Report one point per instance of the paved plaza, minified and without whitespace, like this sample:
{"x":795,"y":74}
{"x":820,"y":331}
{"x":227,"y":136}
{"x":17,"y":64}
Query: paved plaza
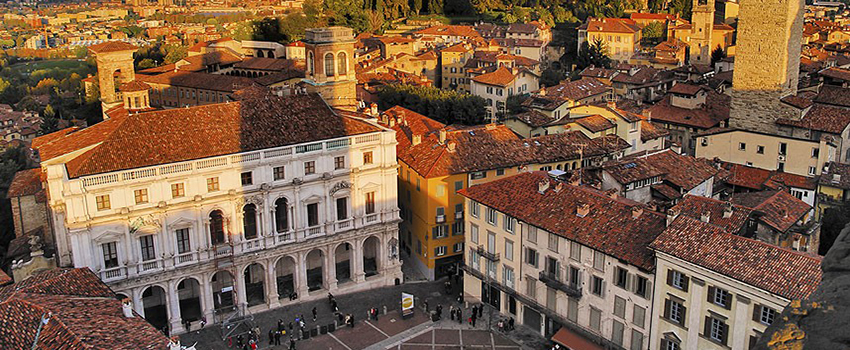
{"x":389,"y":331}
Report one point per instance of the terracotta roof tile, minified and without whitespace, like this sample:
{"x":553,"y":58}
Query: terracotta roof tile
{"x":649,"y":131}
{"x":578,"y":89}
{"x":695,"y":206}
{"x":595,"y":123}
{"x":685,"y":172}
{"x":836,"y":73}
{"x":199,"y":63}
{"x":686,"y":89}
{"x":838,"y":175}
{"x":25,"y":183}
{"x":500,"y":77}
{"x":711,"y":114}
{"x":833,"y":95}
{"x":450,"y":30}
{"x":271,"y":64}
{"x":84,"y":314}
{"x":780,"y":209}
{"x":112,"y":46}
{"x":610,"y":25}
{"x":181,"y":134}
{"x":134,"y":85}
{"x":822,"y":118}
{"x":792,"y":275}
{"x":532,"y":118}
{"x":224,"y":83}
{"x":609,"y":226}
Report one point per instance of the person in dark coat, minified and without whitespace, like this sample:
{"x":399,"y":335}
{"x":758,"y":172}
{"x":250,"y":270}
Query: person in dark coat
{"x":460,"y":316}
{"x":271,"y":336}
{"x":277,"y":336}
{"x":315,"y":313}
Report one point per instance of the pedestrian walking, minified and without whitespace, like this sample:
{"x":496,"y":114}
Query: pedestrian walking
{"x":460,"y":298}
{"x":439,"y":311}
{"x":474,"y":317}
{"x":452,"y":312}
{"x":277,"y":336}
{"x":480,"y":310}
{"x":460,"y":316}
{"x":271,"y":336}
{"x":511,"y":324}
{"x":474,"y":309}
{"x":240,"y":341}
{"x":448,"y":287}
{"x":291,"y":343}
{"x":279,"y":325}
{"x":315,"y":313}
{"x":334,"y":305}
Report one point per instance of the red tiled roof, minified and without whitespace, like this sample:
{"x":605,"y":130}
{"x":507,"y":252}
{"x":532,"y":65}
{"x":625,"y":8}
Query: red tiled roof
{"x":780,"y":209}
{"x":168,"y":136}
{"x":686,"y":89}
{"x":84,"y":314}
{"x":836,"y":73}
{"x":713,"y":112}
{"x":649,"y":131}
{"x":829,"y":178}
{"x":450,"y":30}
{"x":822,"y":118}
{"x":134,"y":85}
{"x":532,"y":118}
{"x":25,"y":183}
{"x":789,"y":274}
{"x":797,"y":101}
{"x":578,"y":89}
{"x":609,"y":226}
{"x":271,"y":64}
{"x":695,"y":206}
{"x":204,"y":81}
{"x":745,"y":176}
{"x":685,"y":172}
{"x":653,"y":16}
{"x":479,"y":148}
{"x":112,"y":46}
{"x":500,"y":77}
{"x":833,"y":95}
{"x":610,"y":25}
{"x":595,"y":123}
{"x":198,"y":63}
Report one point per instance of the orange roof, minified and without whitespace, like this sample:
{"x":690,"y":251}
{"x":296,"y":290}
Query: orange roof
{"x":134,"y":85}
{"x":450,"y":30}
{"x":167,"y":136}
{"x":112,"y":46}
{"x":460,"y":47}
{"x":500,"y":77}
{"x":574,"y":341}
{"x":611,"y":25}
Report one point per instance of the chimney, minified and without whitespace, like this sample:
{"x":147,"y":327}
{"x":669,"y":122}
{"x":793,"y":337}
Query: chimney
{"x":559,"y":187}
{"x":542,"y":91}
{"x":727,"y":210}
{"x":648,"y":115}
{"x":417,"y":139}
{"x":491,"y":126}
{"x":127,"y":308}
{"x":442,"y":136}
{"x":575,"y":179}
{"x":705,"y":217}
{"x":582,"y":209}
{"x":542,"y":186}
{"x":374,"y":109}
{"x":672,"y":214}
{"x":636,"y":211}
{"x":612,"y":193}
{"x":451,"y":146}
{"x":612,"y":104}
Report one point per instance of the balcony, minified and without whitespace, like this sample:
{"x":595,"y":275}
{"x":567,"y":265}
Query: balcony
{"x":370,"y":218}
{"x":313,"y":231}
{"x":283,"y":237}
{"x":344,"y":225}
{"x":488,"y":255}
{"x":113,"y":273}
{"x":552,"y":281}
{"x":251,"y":245}
{"x":148,"y":266}
{"x":458,"y":215}
{"x":184,"y":258}
{"x":440,"y":219}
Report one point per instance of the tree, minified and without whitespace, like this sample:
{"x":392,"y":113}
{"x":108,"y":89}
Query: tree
{"x":653,"y":30}
{"x":551,"y":77}
{"x":595,"y":54}
{"x":445,"y":106}
{"x":175,"y":53}
{"x":717,"y":55}
{"x":146,"y":63}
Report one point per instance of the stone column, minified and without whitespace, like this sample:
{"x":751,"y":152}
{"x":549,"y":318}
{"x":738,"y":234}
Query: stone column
{"x":239,"y":285}
{"x":738,"y":331}
{"x":174,"y":318}
{"x":207,"y":303}
{"x":358,"y":273}
{"x":697,"y":297}
{"x":301,"y":275}
{"x":138,"y":305}
{"x":330,"y":269}
{"x":271,"y":285}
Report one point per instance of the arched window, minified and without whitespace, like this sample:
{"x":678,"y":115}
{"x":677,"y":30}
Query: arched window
{"x":281,"y":215}
{"x":329,"y":64}
{"x":249,"y":221}
{"x":310,"y":62}
{"x":217,"y":227}
{"x":343,"y":64}
{"x":260,"y":53}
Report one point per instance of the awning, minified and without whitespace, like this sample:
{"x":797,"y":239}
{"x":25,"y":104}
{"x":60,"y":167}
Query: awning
{"x":573,"y":341}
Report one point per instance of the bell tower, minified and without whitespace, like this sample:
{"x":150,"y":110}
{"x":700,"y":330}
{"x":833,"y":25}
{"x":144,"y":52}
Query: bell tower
{"x":330,"y":65}
{"x":702,"y":24}
{"x":114,"y":68}
{"x":767,"y":63}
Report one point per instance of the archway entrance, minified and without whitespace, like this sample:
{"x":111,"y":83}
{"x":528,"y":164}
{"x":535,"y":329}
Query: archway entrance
{"x":342,"y":258}
{"x":370,"y":256}
{"x":315,"y":277}
{"x":189,"y":294}
{"x":254,"y":284}
{"x":223,"y":292}
{"x":155,"y":306}
{"x":284,"y":271}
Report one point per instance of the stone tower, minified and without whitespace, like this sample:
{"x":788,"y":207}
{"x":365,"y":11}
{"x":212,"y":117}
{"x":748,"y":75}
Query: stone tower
{"x":702,"y":24}
{"x":767,"y":63}
{"x":114,"y":68}
{"x":330,"y":65}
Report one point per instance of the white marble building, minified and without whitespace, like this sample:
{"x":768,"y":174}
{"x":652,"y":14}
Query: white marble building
{"x":252,"y":204}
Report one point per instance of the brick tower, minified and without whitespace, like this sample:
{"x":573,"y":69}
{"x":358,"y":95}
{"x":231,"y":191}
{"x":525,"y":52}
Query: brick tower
{"x":114,"y":68}
{"x":330,"y":67}
{"x":767,"y":63}
{"x":702,"y":24}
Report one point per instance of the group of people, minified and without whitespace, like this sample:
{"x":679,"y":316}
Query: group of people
{"x":278,"y":335}
{"x":247,"y":341}
{"x":506,"y":325}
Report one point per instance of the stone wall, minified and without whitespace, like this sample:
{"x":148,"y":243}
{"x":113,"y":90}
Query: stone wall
{"x":767,"y":62}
